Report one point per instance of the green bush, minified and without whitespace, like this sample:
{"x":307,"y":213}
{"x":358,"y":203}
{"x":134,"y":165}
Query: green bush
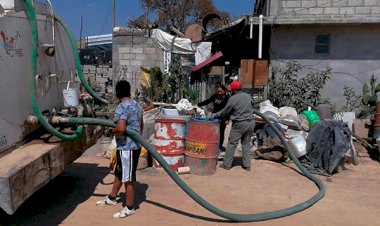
{"x":287,"y":88}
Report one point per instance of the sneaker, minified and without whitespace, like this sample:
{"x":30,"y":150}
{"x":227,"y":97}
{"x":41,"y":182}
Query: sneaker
{"x":106,"y":201}
{"x":246,"y":168}
{"x":220,"y":156}
{"x":221,"y":165}
{"x":125,"y":212}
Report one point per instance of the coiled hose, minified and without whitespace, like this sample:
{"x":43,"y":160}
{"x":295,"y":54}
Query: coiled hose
{"x":138,"y":138}
{"x":231,"y":216}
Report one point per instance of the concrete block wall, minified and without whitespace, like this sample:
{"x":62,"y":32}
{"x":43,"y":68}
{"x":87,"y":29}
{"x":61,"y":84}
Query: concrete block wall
{"x":99,"y":77}
{"x":352,"y":58}
{"x":312,"y":8}
{"x":133,"y":49}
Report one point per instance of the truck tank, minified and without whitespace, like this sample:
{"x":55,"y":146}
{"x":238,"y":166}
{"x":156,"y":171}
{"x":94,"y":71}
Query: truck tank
{"x":32,"y":165}
{"x":53,"y":72}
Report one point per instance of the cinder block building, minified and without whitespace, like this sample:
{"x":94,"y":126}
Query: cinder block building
{"x":341,"y":34}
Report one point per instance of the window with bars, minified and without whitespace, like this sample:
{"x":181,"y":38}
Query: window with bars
{"x":322,"y":45}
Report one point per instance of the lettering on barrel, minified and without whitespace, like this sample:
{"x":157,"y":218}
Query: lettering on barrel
{"x":195,"y":149}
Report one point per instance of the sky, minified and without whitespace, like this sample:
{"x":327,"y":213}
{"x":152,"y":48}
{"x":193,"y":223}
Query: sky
{"x":97,"y":14}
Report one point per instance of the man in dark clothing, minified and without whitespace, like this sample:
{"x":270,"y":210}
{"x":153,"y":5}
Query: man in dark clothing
{"x":240,"y":109}
{"x":219,"y":99}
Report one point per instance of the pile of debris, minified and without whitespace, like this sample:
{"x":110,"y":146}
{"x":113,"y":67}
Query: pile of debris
{"x":321,"y":145}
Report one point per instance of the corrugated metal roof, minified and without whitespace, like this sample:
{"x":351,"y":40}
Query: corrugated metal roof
{"x":99,"y":40}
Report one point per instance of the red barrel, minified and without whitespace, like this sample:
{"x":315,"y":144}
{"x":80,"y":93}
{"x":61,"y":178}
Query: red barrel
{"x":169,"y":141}
{"x":377,"y":115}
{"x":202,"y":143}
{"x":376,"y":132}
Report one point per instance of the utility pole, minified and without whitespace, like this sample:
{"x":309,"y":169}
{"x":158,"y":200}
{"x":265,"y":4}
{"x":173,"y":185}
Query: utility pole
{"x":113,"y":14}
{"x":80,"y":32}
{"x":113,"y":26}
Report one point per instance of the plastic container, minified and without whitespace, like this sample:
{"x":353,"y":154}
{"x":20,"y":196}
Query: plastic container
{"x":70,"y":96}
{"x":8,"y":4}
{"x":298,"y":146}
{"x":324,"y":111}
{"x":347,"y":117}
{"x":312,"y":117}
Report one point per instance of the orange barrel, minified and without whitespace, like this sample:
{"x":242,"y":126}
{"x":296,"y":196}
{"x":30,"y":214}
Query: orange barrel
{"x":377,"y":115}
{"x":376,"y":132}
{"x":169,"y":141}
{"x":202,"y":143}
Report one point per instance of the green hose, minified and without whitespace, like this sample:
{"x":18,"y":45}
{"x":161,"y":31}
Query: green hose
{"x":231,"y":216}
{"x":32,"y":87}
{"x":138,"y":138}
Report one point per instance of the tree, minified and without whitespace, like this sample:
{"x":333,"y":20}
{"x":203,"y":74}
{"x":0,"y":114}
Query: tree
{"x":176,"y":13}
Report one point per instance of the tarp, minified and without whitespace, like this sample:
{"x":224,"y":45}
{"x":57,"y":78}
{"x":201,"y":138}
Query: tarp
{"x":203,"y":52}
{"x":173,"y":44}
{"x":208,"y":61}
{"x":326,"y":145}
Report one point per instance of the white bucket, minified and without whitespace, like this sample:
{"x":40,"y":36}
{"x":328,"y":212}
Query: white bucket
{"x":70,"y":96}
{"x":346,"y":117}
{"x":7,"y":4}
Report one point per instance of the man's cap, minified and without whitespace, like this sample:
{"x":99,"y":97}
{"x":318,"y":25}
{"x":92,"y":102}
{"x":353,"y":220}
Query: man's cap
{"x":235,"y":85}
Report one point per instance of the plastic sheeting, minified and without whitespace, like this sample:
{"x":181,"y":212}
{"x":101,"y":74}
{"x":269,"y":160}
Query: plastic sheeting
{"x":185,"y":105}
{"x":327,"y":144}
{"x":173,"y":44}
{"x":203,"y":52}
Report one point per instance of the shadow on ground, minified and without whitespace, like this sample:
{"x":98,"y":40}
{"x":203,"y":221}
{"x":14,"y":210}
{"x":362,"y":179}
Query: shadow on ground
{"x":58,"y":199}
{"x":140,"y":195}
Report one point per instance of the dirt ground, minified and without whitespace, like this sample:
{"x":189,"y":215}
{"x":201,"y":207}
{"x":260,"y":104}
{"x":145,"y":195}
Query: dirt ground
{"x":352,"y":196}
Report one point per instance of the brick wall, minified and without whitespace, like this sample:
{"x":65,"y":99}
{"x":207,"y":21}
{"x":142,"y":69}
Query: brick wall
{"x":131,"y":50}
{"x":99,"y":77}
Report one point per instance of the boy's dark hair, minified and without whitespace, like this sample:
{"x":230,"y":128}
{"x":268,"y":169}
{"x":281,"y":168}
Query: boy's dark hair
{"x":123,"y":89}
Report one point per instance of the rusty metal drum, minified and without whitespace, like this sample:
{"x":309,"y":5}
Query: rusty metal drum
{"x":169,"y":141}
{"x":377,"y":115}
{"x":376,"y":129}
{"x":201,"y":146}
{"x":376,"y":132}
